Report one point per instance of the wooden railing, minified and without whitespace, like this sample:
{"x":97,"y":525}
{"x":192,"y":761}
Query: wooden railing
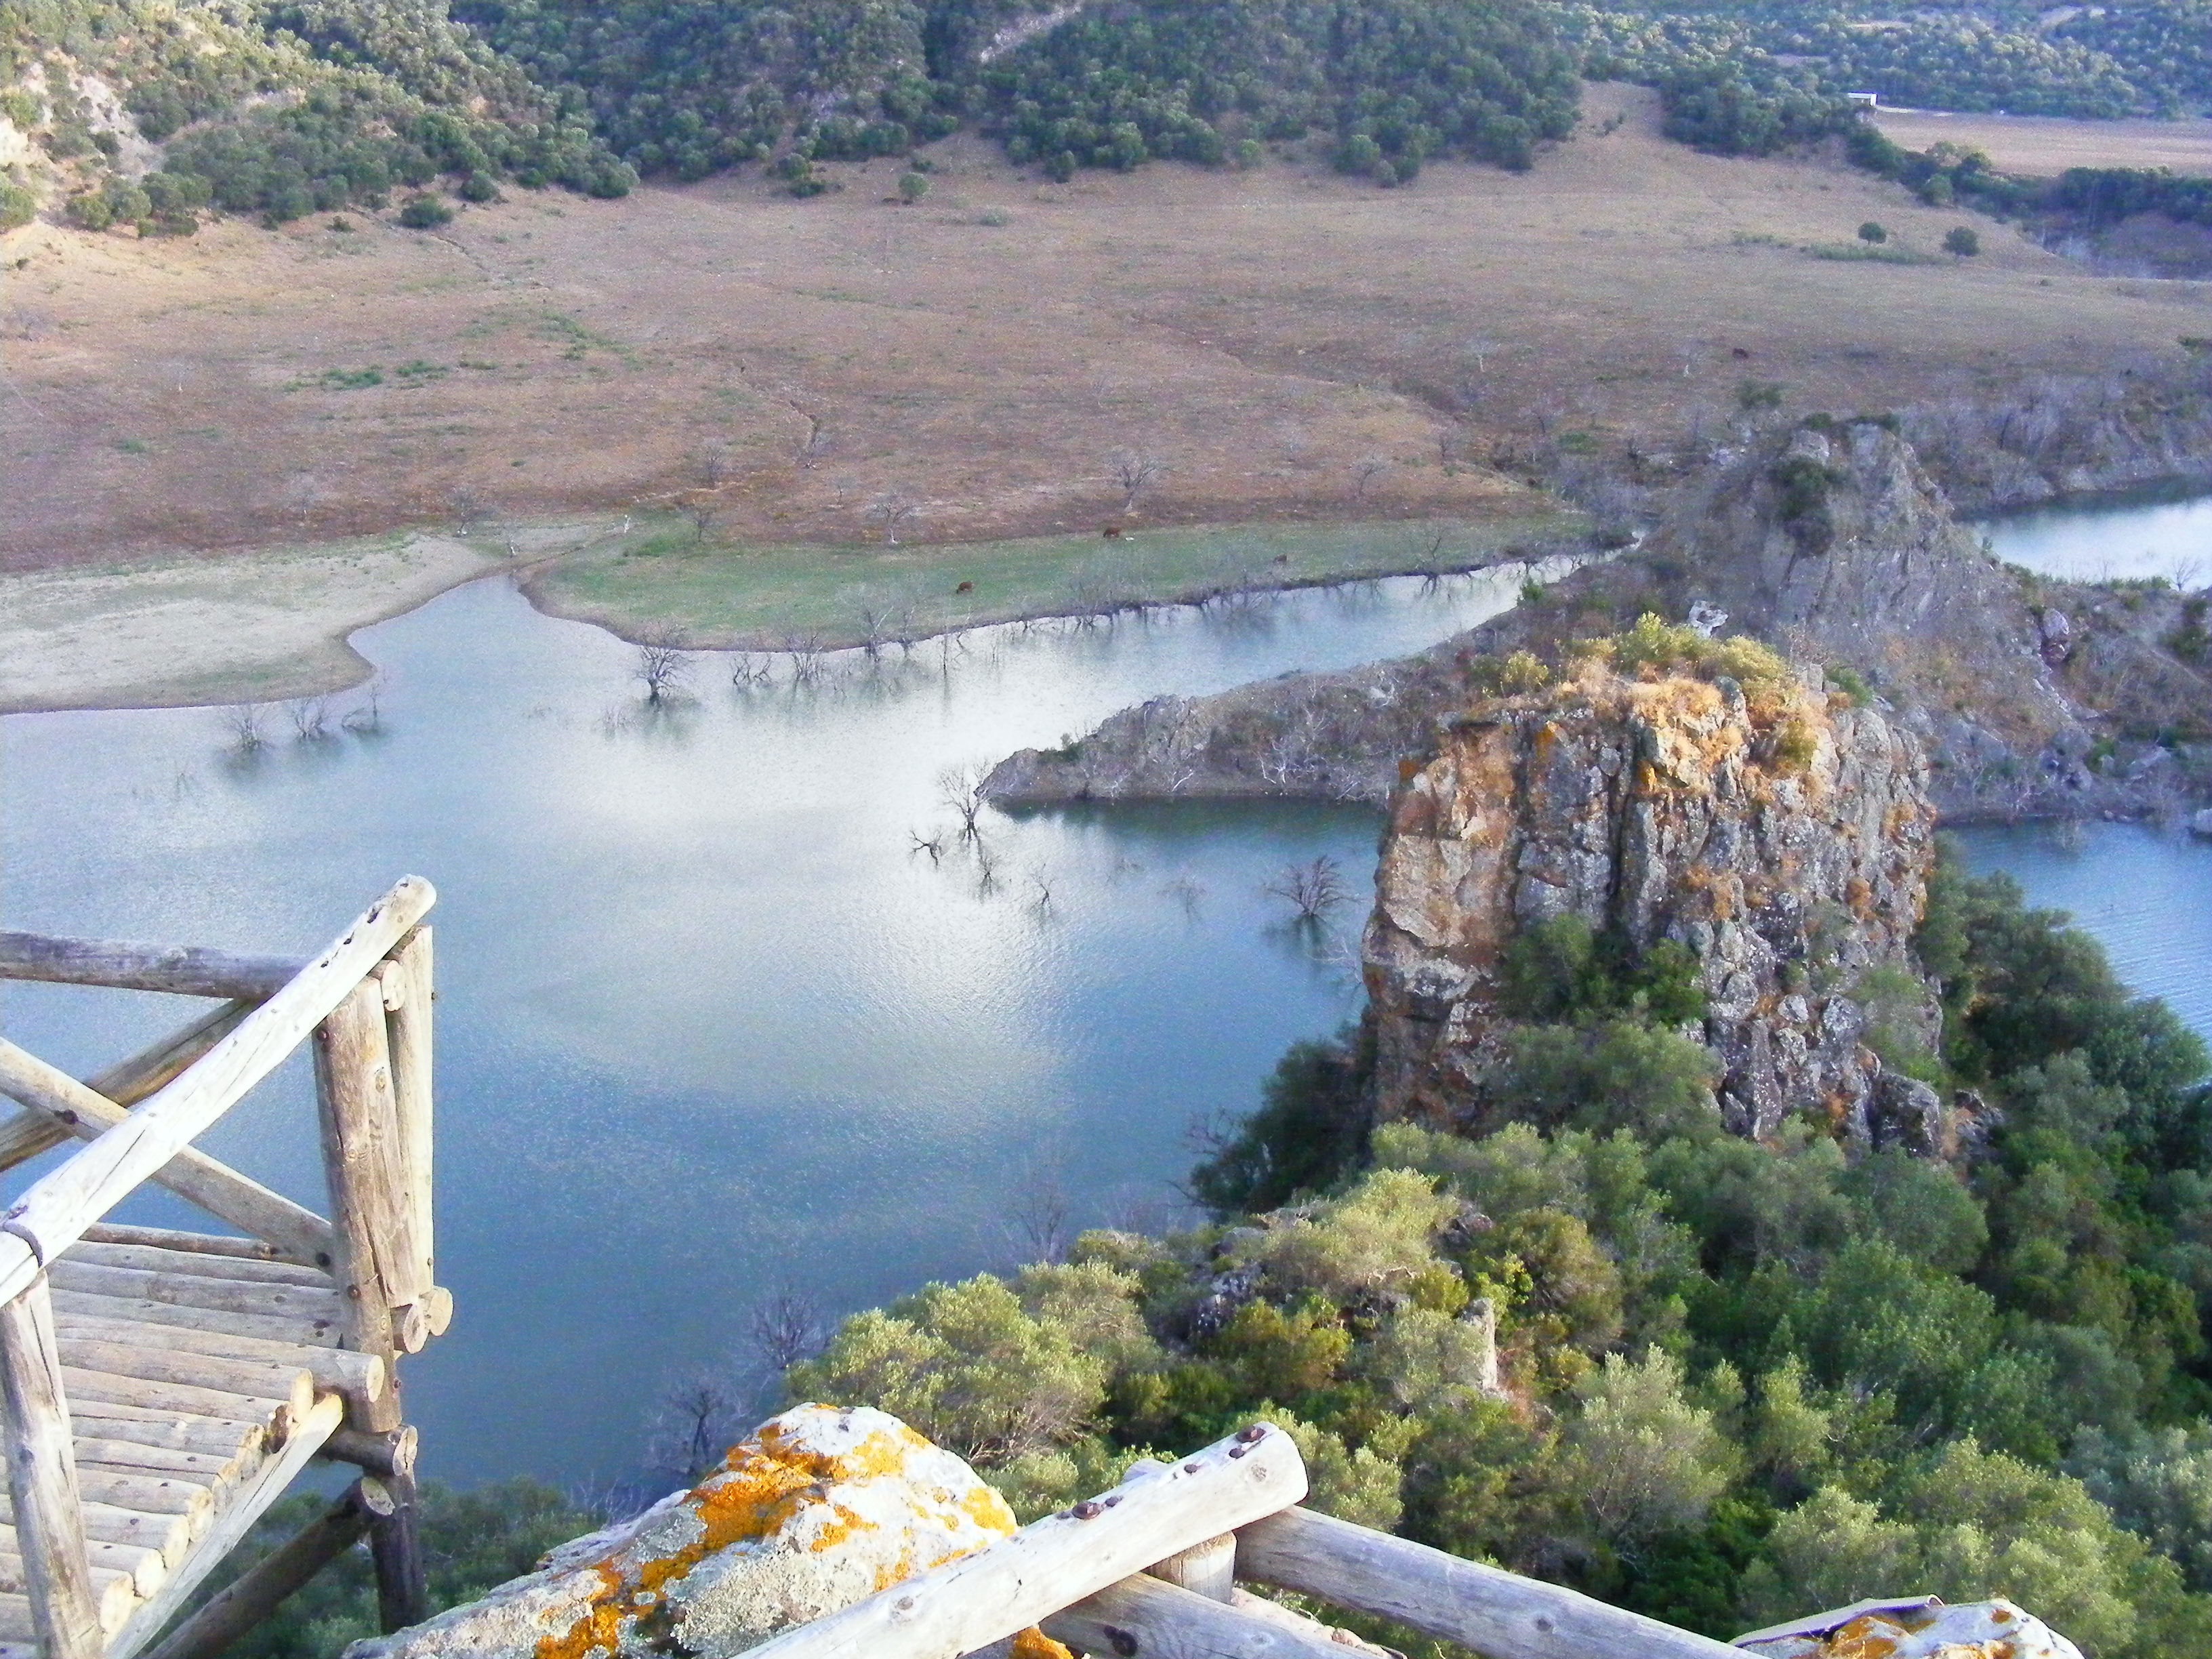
{"x":1149,"y":1569}
{"x":365,"y":1003}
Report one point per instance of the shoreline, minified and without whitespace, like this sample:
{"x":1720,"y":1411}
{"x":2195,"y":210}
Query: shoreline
{"x":276,"y":645}
{"x":107,"y":638}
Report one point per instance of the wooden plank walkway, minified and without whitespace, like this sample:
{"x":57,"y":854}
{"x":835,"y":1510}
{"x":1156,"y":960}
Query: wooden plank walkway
{"x":159,"y":1390}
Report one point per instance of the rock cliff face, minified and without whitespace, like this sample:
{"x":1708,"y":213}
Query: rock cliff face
{"x":821,"y":1508}
{"x":1785,"y":842}
{"x":1830,"y":541}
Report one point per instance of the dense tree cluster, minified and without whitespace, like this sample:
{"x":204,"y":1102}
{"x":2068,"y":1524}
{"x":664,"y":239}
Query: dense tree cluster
{"x":1390,"y":81}
{"x":287,"y":109}
{"x":1738,"y":1381}
{"x":692,"y":89}
{"x":1745,"y":79}
{"x":282,"y":107}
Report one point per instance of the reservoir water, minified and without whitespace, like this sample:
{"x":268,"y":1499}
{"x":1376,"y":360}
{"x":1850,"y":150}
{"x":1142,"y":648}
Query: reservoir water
{"x":711,"y":1024}
{"x":2150,"y":533}
{"x":714,"y":1024}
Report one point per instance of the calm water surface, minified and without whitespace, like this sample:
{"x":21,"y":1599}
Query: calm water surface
{"x":709,"y":1024}
{"x":2146,"y":894}
{"x":2165,"y":535}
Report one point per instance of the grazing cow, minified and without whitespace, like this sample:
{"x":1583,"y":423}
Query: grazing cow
{"x":965,"y":587}
{"x":1112,"y":532}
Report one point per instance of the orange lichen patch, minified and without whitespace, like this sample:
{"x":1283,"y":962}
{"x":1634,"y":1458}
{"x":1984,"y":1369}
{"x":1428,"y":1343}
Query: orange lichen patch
{"x":760,"y":1488}
{"x":1868,"y":1638}
{"x":600,"y":1628}
{"x":1033,"y":1643}
{"x":988,"y":1510}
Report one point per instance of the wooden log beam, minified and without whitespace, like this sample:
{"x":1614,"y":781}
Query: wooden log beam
{"x":308,"y":1329}
{"x":1208,"y":1568}
{"x":1499,"y":1614}
{"x":237,"y":1515}
{"x":207,"y":1357}
{"x":1147,"y":1617}
{"x":376,"y":1254}
{"x":300,"y":1233}
{"x":127,"y":965}
{"x":971,"y":1603}
{"x":263,"y":1587}
{"x":44,"y":1503}
{"x":26,"y":1133}
{"x":385,"y":1456}
{"x":54,"y":1213}
{"x":306,"y":1303}
{"x":405,"y":980}
{"x":218,"y":1248}
{"x":395,"y":1545}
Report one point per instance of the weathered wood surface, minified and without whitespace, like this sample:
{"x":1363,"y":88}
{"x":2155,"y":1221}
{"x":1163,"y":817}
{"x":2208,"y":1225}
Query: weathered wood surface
{"x":257,"y":1592}
{"x":44,"y":1504}
{"x":1500,"y":1614}
{"x":54,"y":1213}
{"x":145,"y":1258}
{"x":389,"y":1455}
{"x":395,"y":1545}
{"x":304,"y":1302}
{"x":971,"y":1603}
{"x":364,"y":1154}
{"x":360,"y":1161}
{"x":26,"y":1133}
{"x":213,"y":1185}
{"x":163,"y":1431}
{"x":215,"y":1361}
{"x":189,"y":1398}
{"x":222,"y":1249}
{"x":406,"y":980}
{"x":238,"y":1513}
{"x":303,"y":1328}
{"x":1209,"y":1568}
{"x":127,"y":965}
{"x":170,"y":1535}
{"x":1147,"y":1617}
{"x":145,"y":1567}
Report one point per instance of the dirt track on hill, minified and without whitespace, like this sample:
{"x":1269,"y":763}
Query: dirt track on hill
{"x":1261,"y":334}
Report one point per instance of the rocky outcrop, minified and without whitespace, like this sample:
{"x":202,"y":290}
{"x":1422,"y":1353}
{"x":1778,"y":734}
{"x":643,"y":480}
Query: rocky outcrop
{"x":1331,"y":736}
{"x":822,"y":1508}
{"x":1919,"y":1627}
{"x":1782,"y":836}
{"x":2145,"y":421}
{"x":1829,"y":541}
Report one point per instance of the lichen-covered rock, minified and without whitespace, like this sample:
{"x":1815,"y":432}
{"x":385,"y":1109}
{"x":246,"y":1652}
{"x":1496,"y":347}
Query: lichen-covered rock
{"x":1785,"y":845}
{"x":821,"y":1508}
{"x":1919,"y":1628}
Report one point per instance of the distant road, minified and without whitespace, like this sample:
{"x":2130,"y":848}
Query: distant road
{"x":2044,"y":145}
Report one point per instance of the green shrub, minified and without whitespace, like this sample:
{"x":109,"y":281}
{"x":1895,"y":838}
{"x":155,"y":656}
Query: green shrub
{"x":1311,"y":1128}
{"x":425,"y":211}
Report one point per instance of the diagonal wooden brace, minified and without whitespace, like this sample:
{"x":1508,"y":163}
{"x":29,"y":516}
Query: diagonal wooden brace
{"x":303,"y":1236}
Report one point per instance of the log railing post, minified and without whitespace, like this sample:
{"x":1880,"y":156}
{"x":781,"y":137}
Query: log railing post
{"x":377,"y":1259}
{"x":42,"y":1481}
{"x":383,"y":1266}
{"x":405,"y":978}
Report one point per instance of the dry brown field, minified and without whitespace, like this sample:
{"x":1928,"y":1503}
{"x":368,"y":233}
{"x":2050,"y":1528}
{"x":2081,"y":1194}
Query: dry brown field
{"x":1262,"y":334}
{"x":2042,"y":146}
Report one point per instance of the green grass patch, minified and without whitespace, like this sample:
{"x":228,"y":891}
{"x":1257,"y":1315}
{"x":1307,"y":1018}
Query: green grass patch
{"x":763,"y":596}
{"x":339,"y":380}
{"x":1863,"y":252}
